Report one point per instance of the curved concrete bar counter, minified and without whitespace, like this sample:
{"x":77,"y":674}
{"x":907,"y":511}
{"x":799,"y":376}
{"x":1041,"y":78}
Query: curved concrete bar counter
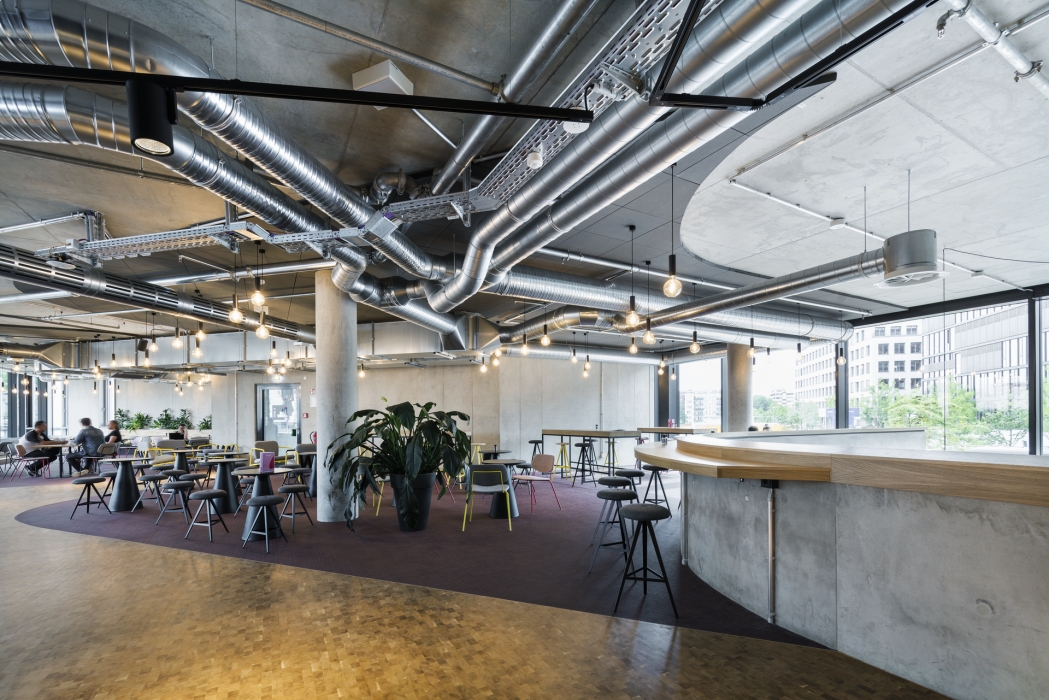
{"x":931,"y":565}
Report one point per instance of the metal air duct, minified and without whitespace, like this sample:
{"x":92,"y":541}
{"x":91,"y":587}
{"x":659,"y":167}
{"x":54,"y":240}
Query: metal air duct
{"x":726,"y":34}
{"x":815,"y":35}
{"x":53,"y":114}
{"x":561,"y":352}
{"x":23,"y":266}
{"x":562,"y":24}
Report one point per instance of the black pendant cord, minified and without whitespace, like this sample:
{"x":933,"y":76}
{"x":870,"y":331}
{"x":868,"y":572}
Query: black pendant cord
{"x":672,"y":166}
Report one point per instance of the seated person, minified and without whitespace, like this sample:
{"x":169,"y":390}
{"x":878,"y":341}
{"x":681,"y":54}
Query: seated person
{"x":114,"y":432}
{"x":89,"y":439}
{"x":183,"y":430}
{"x":37,"y":444}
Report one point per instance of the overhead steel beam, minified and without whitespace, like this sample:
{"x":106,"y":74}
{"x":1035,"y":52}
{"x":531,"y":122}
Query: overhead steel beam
{"x":182,"y":83}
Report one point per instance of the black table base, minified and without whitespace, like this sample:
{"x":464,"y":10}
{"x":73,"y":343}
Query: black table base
{"x":125,"y":489}
{"x":225,"y":480}
{"x":262,"y":487}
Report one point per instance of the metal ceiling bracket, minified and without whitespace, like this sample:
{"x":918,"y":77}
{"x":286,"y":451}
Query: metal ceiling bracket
{"x":630,"y":80}
{"x":1036,"y":67}
{"x":461,"y":212}
{"x":941,"y":24}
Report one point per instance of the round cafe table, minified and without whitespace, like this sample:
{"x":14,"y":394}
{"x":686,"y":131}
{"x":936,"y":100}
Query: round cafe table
{"x":262,"y":487}
{"x":225,"y":480}
{"x":125,"y":488}
{"x":181,"y":458}
{"x":498,"y":509}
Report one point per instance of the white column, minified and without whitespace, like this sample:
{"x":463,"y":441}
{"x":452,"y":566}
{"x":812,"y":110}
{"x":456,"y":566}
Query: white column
{"x":336,"y":322}
{"x":739,"y":400}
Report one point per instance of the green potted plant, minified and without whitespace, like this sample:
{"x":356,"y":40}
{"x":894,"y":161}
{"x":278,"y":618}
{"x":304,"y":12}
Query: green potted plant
{"x":408,"y":447}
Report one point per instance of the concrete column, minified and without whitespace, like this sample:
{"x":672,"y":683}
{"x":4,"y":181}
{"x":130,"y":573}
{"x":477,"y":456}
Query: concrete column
{"x":738,"y":412}
{"x":336,"y":321}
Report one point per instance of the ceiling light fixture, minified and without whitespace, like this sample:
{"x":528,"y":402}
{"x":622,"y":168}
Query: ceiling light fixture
{"x":524,"y":345}
{"x":200,"y":331}
{"x":649,"y":338}
{"x":672,"y":287}
{"x":694,"y":347}
{"x":360,"y":371}
{"x":273,"y":348}
{"x":841,"y":356}
{"x":752,"y":351}
{"x":633,"y":346}
{"x":197,"y":352}
{"x":270,"y":369}
{"x":94,"y":389}
{"x":235,"y":314}
{"x":754,"y":365}
{"x":495,"y":361}
{"x":799,"y":356}
{"x":113,"y":361}
{"x":545,"y":340}
{"x":177,"y":342}
{"x":145,"y":362}
{"x":632,"y":318}
{"x":484,"y":367}
{"x":151,"y":113}
{"x":262,"y":332}
{"x":574,"y":358}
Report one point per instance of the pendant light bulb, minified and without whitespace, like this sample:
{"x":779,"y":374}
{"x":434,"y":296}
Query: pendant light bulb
{"x":633,"y":346}
{"x":146,"y":362}
{"x":524,"y":346}
{"x":66,"y":381}
{"x":662,"y":363}
{"x":649,"y":338}
{"x":197,"y":352}
{"x":94,"y":389}
{"x":287,"y":358}
{"x":495,"y":361}
{"x":262,"y":332}
{"x":673,"y":374}
{"x":113,"y":361}
{"x":153,"y":347}
{"x":545,"y":340}
{"x":799,"y":355}
{"x":177,"y":342}
{"x":360,"y":372}
{"x":200,"y":332}
{"x":694,"y":347}
{"x":841,"y":357}
{"x":632,"y":319}
{"x":574,"y":358}
{"x":235,"y":314}
{"x":484,"y":367}
{"x":270,"y":369}
{"x":660,"y":372}
{"x":498,"y":352}
{"x":672,"y":287}
{"x":586,"y":365}
{"x":752,"y":351}
{"x":273,"y":348}
{"x":282,"y":369}
{"x":754,"y":365}
{"x":586,"y":373}
{"x":257,"y":297}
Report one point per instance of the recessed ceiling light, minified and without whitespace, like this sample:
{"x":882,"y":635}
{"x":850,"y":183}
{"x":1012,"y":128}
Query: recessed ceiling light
{"x":61,"y":264}
{"x":836,"y":223}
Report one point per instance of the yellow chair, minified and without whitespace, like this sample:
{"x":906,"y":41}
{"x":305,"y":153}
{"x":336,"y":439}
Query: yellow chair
{"x":493,"y":488}
{"x":268,"y":446}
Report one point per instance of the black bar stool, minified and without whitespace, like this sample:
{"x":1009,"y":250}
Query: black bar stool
{"x":585,"y":461}
{"x":294,"y":492}
{"x":613,"y":498}
{"x":537,"y":447}
{"x":206,"y":497}
{"x":644,"y":514}
{"x":612,"y":482}
{"x":175,"y":489}
{"x":656,"y":479}
{"x":263,"y":504}
{"x":151,"y":485}
{"x":88,"y":482}
{"x":631,"y":474}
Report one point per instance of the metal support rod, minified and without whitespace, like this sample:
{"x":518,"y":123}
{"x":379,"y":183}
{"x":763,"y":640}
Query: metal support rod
{"x":772,"y":556}
{"x":433,"y":127}
{"x":44,"y":222}
{"x":841,"y":389}
{"x":1034,"y":376}
{"x":374,"y":45}
{"x":684,"y":519}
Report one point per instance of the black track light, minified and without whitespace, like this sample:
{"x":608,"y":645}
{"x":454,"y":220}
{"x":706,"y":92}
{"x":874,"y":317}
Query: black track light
{"x":151,"y":112}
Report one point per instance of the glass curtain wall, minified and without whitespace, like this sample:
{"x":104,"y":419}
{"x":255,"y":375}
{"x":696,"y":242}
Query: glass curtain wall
{"x":962,"y":376}
{"x":795,"y":392}
{"x":699,"y":394}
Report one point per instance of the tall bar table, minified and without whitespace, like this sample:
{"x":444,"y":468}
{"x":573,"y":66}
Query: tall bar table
{"x":125,"y":488}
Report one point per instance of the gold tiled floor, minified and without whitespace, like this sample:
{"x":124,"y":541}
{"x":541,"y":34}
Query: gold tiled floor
{"x":87,"y":617}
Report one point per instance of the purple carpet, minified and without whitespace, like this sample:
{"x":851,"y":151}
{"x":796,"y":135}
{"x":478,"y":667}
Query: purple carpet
{"x":543,"y":561}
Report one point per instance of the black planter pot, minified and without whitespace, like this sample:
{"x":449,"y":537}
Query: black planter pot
{"x":423,"y":487}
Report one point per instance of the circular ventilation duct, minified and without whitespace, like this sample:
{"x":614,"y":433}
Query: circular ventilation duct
{"x":910,"y":259}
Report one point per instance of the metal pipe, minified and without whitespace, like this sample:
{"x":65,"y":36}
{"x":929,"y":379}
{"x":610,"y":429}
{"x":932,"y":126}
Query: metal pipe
{"x":434,"y":129}
{"x":722,"y":37}
{"x":53,"y":114}
{"x":772,"y":556}
{"x":94,"y":165}
{"x":23,"y":266}
{"x":385,"y":183}
{"x":814,"y":35}
{"x":565,"y":288}
{"x":374,"y":44}
{"x":561,"y":25}
{"x":1006,"y":48}
{"x":562,"y":352}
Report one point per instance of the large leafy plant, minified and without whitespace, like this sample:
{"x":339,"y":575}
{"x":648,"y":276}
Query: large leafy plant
{"x":398,"y":441}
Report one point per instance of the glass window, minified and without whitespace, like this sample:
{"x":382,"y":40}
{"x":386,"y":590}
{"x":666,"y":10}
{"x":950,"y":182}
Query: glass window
{"x":970,"y":392}
{"x":895,"y":330}
{"x":277,"y":413}
{"x":899,"y":348}
{"x":879,"y":332}
{"x":883,"y":348}
{"x":795,"y":396}
{"x":699,"y":394}
{"x":883,"y":366}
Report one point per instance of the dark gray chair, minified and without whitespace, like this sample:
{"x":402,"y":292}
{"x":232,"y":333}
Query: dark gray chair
{"x":211,"y":515}
{"x":89,"y":484}
{"x":643,"y":515}
{"x":263,"y":503}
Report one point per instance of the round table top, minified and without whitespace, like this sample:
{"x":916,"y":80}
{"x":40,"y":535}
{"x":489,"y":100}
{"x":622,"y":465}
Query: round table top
{"x":504,"y":462}
{"x":224,"y":460}
{"x":254,"y":471}
{"x":181,"y":449}
{"x":123,"y":459}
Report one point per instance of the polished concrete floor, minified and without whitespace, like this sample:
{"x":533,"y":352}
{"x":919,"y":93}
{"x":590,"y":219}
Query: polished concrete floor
{"x":92,"y":617}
